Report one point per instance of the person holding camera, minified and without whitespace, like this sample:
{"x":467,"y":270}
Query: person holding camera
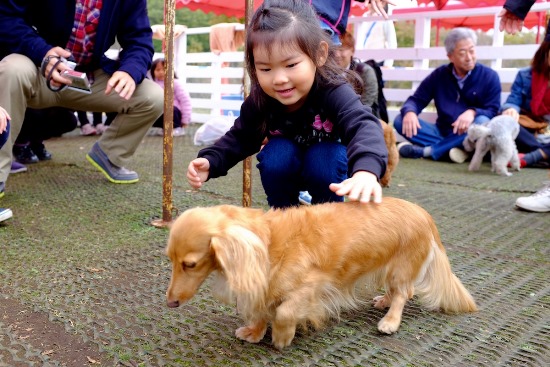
{"x":37,"y":38}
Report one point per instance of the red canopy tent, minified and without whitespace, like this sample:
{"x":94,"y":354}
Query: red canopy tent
{"x":483,"y":23}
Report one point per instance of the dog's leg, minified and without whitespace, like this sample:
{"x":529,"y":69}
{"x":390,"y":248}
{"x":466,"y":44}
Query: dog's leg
{"x":253,"y":332}
{"x":390,"y":323}
{"x":499,"y":161}
{"x":514,"y":161}
{"x":299,"y":306}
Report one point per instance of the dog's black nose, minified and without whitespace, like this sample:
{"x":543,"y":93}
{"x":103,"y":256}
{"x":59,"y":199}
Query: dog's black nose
{"x":173,"y":304}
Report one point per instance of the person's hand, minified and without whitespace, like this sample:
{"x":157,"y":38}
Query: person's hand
{"x":122,"y":83}
{"x":56,"y":80}
{"x":410,"y":124}
{"x":509,"y":22}
{"x":511,"y":112}
{"x":463,"y":122}
{"x":197,"y":172}
{"x":376,"y":7}
{"x":4,"y":118}
{"x":362,"y":186}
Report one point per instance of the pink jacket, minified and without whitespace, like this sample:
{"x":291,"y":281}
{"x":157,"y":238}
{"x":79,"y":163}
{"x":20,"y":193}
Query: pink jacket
{"x":182,"y":100}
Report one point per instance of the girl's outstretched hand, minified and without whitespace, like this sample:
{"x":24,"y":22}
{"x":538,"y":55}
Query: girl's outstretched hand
{"x":362,"y":186}
{"x":197,"y":172}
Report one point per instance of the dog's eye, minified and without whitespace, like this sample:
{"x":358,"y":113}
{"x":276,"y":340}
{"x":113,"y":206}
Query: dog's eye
{"x":188,"y":265}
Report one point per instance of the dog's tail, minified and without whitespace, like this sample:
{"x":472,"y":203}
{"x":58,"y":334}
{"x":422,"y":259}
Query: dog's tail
{"x":438,"y":287}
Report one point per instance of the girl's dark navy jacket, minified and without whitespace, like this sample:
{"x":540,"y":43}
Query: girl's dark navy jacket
{"x":33,"y":27}
{"x":353,"y":125}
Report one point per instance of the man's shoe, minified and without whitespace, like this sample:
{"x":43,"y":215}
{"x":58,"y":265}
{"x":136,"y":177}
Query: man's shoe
{"x":24,"y":154}
{"x":40,"y":151}
{"x":115,"y":174}
{"x":17,"y":167}
{"x":538,"y":202}
{"x":457,"y":155}
{"x":407,"y":150}
{"x":2,"y":187}
{"x":5,"y":213}
{"x":304,"y":198}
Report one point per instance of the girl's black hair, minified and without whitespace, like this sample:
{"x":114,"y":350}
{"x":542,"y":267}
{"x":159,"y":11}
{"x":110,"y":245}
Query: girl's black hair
{"x":290,"y":23}
{"x":154,"y":66}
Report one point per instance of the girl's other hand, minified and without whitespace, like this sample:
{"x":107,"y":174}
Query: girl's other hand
{"x":197,"y":172}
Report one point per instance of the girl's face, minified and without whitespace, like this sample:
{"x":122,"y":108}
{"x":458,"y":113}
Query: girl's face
{"x":286,"y":73}
{"x":159,"y":72}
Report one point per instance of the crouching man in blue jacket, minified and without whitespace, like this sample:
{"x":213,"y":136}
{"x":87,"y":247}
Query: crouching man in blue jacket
{"x":39,"y":37}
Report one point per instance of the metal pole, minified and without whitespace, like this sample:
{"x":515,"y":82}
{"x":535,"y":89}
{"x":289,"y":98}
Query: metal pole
{"x":167,"y":161}
{"x":247,"y":163}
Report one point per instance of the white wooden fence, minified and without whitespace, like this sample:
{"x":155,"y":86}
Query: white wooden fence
{"x":202,"y":73}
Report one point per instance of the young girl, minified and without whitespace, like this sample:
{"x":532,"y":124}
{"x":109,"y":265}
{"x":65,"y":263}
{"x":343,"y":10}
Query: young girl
{"x":182,"y":100}
{"x":319,"y":133}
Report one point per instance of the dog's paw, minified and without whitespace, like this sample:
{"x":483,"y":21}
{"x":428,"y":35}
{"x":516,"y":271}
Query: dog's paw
{"x":250,"y":334}
{"x":282,"y":339}
{"x":381,"y":302}
{"x":388,"y":326}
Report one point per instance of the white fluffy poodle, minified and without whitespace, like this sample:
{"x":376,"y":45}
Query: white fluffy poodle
{"x":496,"y":136}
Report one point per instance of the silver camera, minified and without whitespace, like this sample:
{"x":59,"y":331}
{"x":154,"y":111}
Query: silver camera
{"x":79,"y":80}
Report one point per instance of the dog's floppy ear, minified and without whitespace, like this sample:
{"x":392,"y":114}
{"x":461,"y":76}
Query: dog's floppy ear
{"x":243,"y":258}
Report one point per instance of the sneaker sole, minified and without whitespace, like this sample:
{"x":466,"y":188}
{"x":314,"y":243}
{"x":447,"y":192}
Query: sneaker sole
{"x":534,"y":210}
{"x":94,"y":163}
{"x":6,"y":214}
{"x":18,"y":170}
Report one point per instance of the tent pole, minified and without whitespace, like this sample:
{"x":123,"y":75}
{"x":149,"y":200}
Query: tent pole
{"x":167,"y":161}
{"x":247,"y":163}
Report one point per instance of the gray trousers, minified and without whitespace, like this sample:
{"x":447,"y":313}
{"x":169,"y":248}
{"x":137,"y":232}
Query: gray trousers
{"x":22,"y":86}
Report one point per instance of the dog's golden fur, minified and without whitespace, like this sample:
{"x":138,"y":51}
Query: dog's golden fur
{"x":289,"y":267}
{"x":393,"y":153}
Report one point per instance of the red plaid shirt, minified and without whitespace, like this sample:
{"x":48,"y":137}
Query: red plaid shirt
{"x":82,"y":40}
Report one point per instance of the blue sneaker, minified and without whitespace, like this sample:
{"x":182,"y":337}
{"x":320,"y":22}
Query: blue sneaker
{"x":5,"y":214}
{"x":2,"y":186}
{"x":304,"y":198}
{"x":115,"y":174}
{"x":407,"y":150}
{"x":17,"y":167}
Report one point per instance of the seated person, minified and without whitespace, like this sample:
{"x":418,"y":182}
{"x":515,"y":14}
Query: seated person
{"x":464,"y":92}
{"x":40,"y":125}
{"x":529,"y":103}
{"x":182,"y":100}
{"x":344,"y":57}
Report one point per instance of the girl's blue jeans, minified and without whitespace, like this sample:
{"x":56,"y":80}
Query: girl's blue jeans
{"x":430,"y":135}
{"x":286,"y":168}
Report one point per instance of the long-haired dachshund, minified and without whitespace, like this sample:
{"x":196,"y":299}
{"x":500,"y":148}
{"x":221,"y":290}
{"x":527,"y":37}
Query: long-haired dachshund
{"x":299,"y":265}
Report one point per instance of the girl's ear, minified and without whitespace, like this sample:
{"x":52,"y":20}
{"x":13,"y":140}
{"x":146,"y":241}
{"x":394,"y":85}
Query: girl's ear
{"x":323,"y":54}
